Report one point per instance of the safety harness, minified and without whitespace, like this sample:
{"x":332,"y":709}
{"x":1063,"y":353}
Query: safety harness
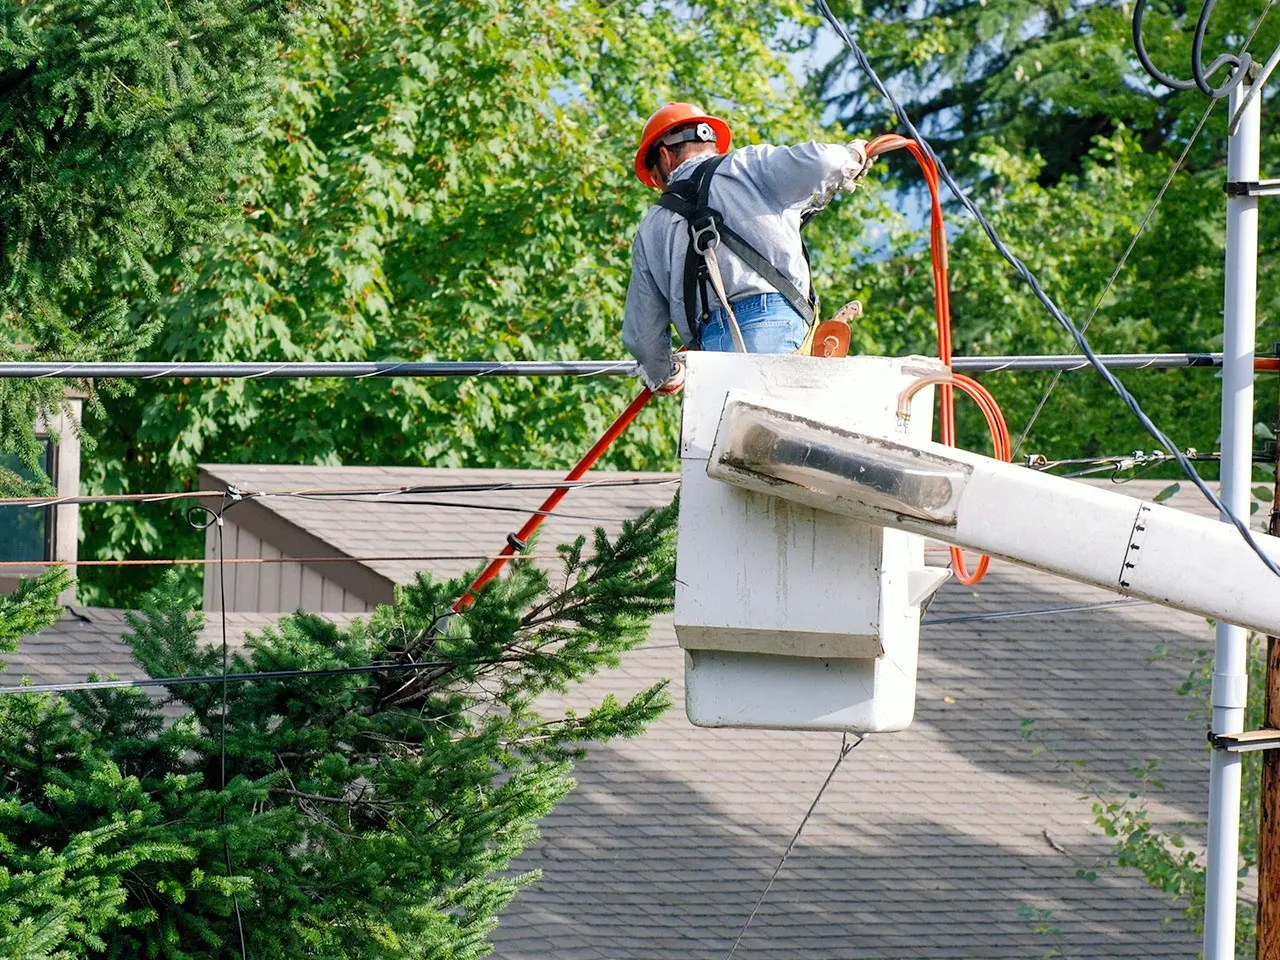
{"x":689,"y":198}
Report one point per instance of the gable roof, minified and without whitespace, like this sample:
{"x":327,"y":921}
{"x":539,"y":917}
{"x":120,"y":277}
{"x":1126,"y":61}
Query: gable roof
{"x":445,"y":525}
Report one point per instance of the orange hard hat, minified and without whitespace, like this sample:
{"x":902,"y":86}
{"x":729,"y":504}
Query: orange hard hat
{"x":667,"y":119}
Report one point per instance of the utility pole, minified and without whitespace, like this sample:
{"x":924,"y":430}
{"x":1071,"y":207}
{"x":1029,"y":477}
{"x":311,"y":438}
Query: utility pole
{"x":1269,"y":815}
{"x":1230,"y":677}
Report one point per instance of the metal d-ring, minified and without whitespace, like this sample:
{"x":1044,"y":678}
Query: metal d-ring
{"x":705,"y":235}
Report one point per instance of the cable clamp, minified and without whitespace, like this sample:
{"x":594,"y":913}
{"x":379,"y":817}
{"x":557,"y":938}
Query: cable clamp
{"x":1229,"y":691}
{"x":516,"y":544}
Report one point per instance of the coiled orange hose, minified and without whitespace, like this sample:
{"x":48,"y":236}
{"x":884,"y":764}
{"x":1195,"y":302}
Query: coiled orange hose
{"x":1003,"y":448}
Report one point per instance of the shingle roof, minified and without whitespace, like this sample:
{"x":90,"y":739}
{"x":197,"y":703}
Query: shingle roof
{"x":470,"y":523}
{"x":926,"y":843}
{"x":89,"y":640}
{"x":84,"y":640}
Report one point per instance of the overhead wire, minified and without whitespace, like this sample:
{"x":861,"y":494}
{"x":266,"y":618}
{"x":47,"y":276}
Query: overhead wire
{"x":453,"y":369}
{"x":1147,"y":217}
{"x":846,"y":748}
{"x":320,"y":493}
{"x":1024,"y":271}
{"x":206,"y":679}
{"x":1065,"y":363}
{"x":490,"y":507}
{"x":518,"y":541}
{"x":1199,"y":72}
{"x":355,"y":370}
{"x":1115,"y":274}
{"x":1034,"y":612}
{"x":216,"y":520}
{"x":205,"y":561}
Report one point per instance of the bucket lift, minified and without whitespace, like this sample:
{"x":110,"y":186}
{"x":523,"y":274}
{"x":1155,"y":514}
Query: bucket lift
{"x":792,"y":616}
{"x":805,"y":497}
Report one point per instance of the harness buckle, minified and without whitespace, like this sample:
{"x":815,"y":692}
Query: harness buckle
{"x":705,"y":235}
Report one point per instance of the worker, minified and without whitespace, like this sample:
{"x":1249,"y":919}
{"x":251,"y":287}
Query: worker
{"x":747,"y":207}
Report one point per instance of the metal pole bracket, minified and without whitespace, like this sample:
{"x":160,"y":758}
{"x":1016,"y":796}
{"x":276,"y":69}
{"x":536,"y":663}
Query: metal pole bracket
{"x":1246,"y":742}
{"x":1252,"y":188}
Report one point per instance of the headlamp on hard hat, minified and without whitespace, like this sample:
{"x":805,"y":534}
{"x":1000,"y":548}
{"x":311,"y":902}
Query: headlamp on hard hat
{"x":700,"y":132}
{"x":672,"y":124}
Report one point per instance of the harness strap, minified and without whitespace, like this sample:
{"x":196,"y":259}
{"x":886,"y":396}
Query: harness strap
{"x":681,"y":198}
{"x":717,"y":281}
{"x":690,"y":199}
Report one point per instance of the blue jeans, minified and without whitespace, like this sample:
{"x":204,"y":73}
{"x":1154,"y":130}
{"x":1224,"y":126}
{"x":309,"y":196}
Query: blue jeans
{"x":769,"y":325}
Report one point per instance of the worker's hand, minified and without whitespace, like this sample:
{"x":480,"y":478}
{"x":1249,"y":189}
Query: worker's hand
{"x":675,"y":382}
{"x":858,"y":166}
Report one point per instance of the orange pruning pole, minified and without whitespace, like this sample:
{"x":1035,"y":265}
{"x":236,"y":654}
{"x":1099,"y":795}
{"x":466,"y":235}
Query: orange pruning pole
{"x":534,"y":522}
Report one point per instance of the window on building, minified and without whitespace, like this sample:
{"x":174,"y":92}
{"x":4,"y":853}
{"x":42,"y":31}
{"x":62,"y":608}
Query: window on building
{"x":26,"y":533}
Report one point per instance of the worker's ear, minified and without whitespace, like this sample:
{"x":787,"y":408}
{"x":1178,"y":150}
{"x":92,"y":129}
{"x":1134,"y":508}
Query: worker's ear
{"x":662,"y":163}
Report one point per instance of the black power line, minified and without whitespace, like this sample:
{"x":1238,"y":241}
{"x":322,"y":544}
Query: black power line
{"x":1054,"y":310}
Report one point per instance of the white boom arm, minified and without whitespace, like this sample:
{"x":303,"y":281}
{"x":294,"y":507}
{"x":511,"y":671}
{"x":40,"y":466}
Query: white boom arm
{"x":1133,"y":547}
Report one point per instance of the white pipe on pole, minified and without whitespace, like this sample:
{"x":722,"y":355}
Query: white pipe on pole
{"x":1230,"y":677}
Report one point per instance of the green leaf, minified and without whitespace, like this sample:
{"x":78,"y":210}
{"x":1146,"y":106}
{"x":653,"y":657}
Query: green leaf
{"x":1169,"y":491}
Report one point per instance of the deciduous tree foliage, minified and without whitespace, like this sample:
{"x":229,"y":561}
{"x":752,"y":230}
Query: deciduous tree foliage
{"x":453,"y":181}
{"x":442,"y":181}
{"x":365,"y":816}
{"x":1043,"y":110}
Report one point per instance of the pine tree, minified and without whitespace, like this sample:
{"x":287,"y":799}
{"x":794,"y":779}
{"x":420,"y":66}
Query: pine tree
{"x":124,"y":126}
{"x":60,"y":889}
{"x":367,"y":815}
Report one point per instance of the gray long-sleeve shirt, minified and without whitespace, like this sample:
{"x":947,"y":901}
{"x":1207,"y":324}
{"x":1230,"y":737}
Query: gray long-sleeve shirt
{"x":760,"y":191}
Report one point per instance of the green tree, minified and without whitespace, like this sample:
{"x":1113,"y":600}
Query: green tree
{"x":367,"y":815}
{"x":448,"y":180}
{"x":452,"y":181}
{"x":1044,"y":112}
{"x":122,"y":125}
{"x":1044,"y":78}
{"x":54,"y":900}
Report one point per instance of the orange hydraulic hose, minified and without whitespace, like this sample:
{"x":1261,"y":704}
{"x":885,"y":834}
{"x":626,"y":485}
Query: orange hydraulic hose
{"x":534,"y":522}
{"x":942,"y":309}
